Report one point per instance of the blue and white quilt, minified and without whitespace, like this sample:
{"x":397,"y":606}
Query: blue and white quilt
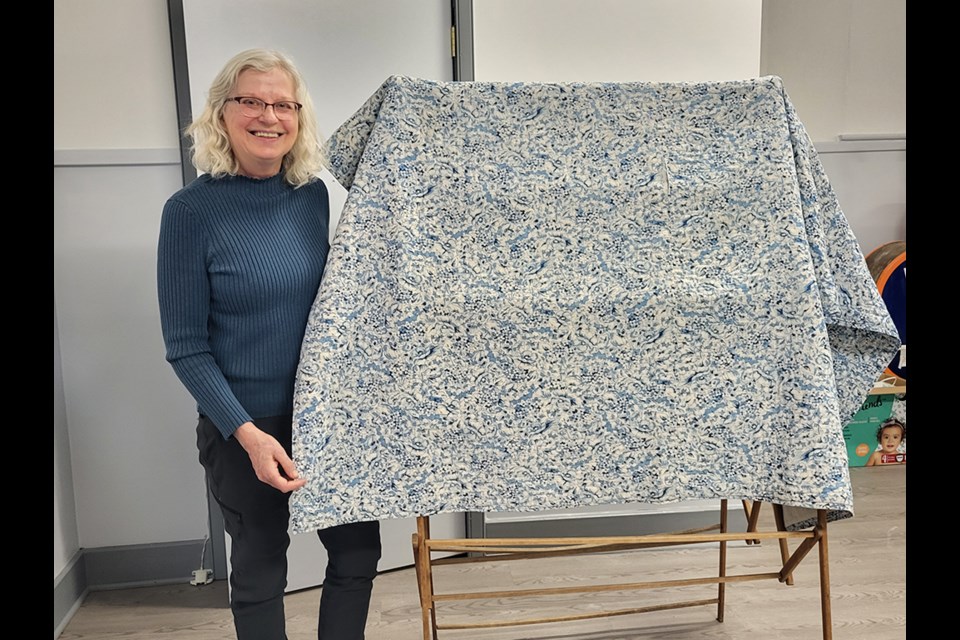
{"x":544,"y":296}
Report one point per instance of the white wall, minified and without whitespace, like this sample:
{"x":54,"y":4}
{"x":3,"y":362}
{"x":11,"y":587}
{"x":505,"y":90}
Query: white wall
{"x":843,"y":62}
{"x":66,"y":539}
{"x":123,"y":448}
{"x":616,"y":40}
{"x":136,"y":479}
{"x":871,"y":187}
{"x":112,"y":75}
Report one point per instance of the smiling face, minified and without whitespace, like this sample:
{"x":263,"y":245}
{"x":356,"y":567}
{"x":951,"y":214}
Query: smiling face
{"x":259,"y":144}
{"x":890,"y":439}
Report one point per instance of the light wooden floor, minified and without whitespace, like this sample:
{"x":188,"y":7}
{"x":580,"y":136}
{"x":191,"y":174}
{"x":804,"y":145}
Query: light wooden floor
{"x":867,"y":580}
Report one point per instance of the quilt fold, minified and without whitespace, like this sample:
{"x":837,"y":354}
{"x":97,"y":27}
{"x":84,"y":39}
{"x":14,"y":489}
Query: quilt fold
{"x":543,"y":296}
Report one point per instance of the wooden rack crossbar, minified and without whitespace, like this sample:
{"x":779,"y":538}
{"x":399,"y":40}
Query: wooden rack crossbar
{"x":506,"y":549}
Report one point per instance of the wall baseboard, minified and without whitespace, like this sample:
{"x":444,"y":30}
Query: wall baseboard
{"x":124,"y":567}
{"x":865,"y":145}
{"x":69,"y":590}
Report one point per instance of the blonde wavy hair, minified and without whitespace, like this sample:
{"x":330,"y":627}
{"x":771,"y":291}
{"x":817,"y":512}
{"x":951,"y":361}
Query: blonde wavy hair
{"x":211,"y":146}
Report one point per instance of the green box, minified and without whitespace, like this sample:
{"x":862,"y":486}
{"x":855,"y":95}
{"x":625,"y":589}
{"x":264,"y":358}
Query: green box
{"x":860,"y":433}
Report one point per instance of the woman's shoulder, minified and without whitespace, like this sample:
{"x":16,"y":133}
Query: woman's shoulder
{"x":316,"y":185}
{"x":192,"y":203}
{"x":197,"y":188}
{"x":315,"y":189}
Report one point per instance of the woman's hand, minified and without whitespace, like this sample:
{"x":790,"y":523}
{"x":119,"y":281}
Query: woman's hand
{"x":271,"y":463}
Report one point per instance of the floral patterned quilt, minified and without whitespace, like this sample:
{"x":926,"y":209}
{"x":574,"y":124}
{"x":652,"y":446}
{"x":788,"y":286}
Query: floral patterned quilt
{"x":544,"y":296}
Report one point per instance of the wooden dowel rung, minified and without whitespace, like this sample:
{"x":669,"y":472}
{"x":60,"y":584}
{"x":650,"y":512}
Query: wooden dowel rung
{"x":548,"y":544}
{"x":507,"y":550}
{"x":511,"y":553}
{"x":581,"y":616}
{"x":526,"y":554}
{"x":597,"y":588}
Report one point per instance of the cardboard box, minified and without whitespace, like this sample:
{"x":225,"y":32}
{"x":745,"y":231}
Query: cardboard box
{"x":860,"y":433}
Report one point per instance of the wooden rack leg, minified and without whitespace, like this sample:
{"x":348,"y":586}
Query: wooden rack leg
{"x":424,"y":596}
{"x":784,"y":548}
{"x":824,"y":576}
{"x":421,"y":555}
{"x":723,"y":560}
{"x":752,"y":512}
{"x":433,"y":607}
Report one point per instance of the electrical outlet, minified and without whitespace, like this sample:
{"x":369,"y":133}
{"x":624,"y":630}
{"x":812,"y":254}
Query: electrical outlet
{"x":202,"y":576}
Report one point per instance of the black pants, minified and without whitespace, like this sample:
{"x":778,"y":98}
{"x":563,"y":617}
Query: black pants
{"x":257,"y":518}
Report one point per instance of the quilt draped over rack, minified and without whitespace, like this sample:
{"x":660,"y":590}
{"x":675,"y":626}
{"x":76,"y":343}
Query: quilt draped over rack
{"x":544,"y":296}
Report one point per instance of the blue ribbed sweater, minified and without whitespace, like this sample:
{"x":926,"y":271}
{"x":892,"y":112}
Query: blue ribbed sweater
{"x":238,"y":265}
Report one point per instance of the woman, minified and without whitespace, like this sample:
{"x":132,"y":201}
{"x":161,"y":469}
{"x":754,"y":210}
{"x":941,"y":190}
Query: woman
{"x":241,"y":252}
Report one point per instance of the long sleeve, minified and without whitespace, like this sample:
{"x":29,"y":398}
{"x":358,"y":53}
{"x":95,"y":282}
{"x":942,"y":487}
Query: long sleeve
{"x":184,"y":292}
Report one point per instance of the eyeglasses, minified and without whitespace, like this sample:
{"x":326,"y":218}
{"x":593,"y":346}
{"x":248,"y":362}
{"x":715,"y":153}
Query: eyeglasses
{"x":254,"y":107}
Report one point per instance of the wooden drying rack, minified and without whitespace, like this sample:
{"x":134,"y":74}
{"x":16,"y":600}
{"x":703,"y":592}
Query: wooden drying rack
{"x":504,"y":549}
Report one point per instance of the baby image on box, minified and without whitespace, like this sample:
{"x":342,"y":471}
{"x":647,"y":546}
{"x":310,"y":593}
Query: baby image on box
{"x":892,"y":443}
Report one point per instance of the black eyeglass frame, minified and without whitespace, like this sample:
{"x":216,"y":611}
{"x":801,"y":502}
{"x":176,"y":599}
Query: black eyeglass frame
{"x":266,"y":104}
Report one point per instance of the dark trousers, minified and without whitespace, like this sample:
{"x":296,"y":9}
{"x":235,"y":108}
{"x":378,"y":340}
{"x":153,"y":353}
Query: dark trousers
{"x":257,"y":518}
